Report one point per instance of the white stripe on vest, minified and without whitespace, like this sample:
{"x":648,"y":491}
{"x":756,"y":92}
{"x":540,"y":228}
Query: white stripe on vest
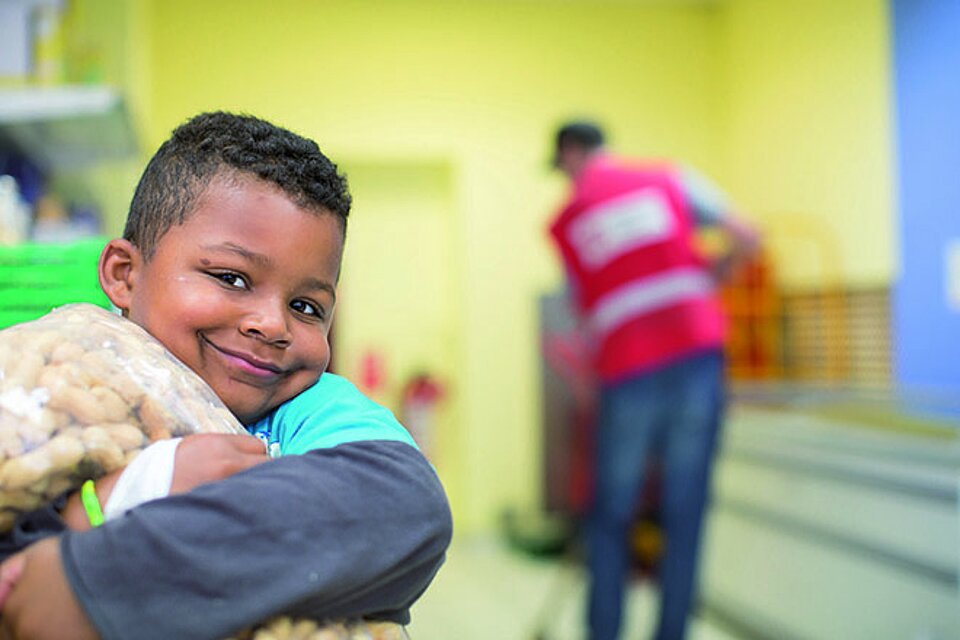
{"x":621,"y":225}
{"x":633,"y":299}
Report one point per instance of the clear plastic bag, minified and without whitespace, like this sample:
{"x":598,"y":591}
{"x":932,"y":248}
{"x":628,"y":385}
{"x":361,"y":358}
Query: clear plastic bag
{"x":285,"y":628}
{"x":82,"y":392}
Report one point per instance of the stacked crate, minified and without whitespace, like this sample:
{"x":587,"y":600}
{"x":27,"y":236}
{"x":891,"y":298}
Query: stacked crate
{"x":35,"y":278}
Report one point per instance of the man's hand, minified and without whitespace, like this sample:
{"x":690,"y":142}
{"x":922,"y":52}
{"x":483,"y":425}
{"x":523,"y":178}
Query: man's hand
{"x":40,"y":604}
{"x":207,"y":457}
{"x":744,"y":243}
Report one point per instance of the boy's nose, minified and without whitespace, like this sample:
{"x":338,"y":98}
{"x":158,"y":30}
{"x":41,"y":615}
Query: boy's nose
{"x":268,"y":326}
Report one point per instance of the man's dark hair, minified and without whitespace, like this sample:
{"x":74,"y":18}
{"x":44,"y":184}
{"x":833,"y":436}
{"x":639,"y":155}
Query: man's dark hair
{"x":580,"y":133}
{"x":224,"y":145}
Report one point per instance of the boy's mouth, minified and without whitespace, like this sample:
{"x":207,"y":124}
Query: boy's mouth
{"x":246,"y":362}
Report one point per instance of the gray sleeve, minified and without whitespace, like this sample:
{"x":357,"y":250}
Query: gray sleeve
{"x":355,"y":530}
{"x":708,"y":203}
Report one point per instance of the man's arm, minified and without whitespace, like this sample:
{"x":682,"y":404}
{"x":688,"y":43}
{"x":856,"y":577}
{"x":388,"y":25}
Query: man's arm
{"x":357,"y":529}
{"x":743,"y":241}
{"x":710,"y":207}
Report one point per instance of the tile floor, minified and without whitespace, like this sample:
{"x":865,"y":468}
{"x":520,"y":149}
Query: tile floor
{"x":487,"y":591}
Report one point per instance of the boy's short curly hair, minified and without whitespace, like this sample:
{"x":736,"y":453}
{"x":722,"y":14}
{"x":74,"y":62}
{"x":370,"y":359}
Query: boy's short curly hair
{"x":220,"y":144}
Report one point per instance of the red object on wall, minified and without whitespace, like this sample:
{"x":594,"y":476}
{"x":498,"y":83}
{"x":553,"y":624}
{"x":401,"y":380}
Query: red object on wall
{"x":372,"y":372}
{"x":421,"y":398}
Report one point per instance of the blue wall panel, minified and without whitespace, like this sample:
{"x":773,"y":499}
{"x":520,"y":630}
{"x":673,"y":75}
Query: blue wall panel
{"x":926,"y":56}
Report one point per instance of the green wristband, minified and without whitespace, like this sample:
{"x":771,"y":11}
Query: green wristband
{"x":91,"y":504}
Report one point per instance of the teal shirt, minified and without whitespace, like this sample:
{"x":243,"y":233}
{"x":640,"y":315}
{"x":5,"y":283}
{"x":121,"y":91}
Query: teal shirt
{"x":331,"y":412}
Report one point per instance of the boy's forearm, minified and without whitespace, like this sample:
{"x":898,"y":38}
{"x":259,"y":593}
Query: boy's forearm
{"x":357,"y":530}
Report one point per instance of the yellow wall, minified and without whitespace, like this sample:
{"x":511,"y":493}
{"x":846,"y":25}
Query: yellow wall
{"x":785,"y":102}
{"x":478,"y":86}
{"x":806,"y":138}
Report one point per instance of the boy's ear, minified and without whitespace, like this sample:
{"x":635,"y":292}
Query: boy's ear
{"x":120,"y":264}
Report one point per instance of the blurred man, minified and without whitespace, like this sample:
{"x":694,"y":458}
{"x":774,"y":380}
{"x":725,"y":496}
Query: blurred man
{"x":649,"y":311}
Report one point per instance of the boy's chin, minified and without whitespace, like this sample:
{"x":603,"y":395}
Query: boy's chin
{"x":247,"y":417}
{"x":245,"y":413}
{"x":248,"y":414}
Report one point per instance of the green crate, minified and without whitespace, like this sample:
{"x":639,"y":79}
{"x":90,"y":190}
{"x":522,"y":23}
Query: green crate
{"x":35,"y":278}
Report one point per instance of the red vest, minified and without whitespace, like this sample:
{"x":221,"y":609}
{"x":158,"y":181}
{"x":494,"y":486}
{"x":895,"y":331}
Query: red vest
{"x":643,"y":291}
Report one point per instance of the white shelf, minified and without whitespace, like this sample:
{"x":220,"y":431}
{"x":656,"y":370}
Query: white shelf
{"x":68,"y":127}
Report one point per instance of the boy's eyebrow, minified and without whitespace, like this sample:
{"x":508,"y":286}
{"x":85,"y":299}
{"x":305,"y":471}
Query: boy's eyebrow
{"x":316,"y":283}
{"x":259,"y":258}
{"x":262,"y":260}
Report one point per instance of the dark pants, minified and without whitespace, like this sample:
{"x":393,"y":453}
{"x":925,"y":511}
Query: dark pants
{"x":673,"y":413}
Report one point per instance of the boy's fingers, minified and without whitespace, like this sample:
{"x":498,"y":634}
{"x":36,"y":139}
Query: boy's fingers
{"x":208,"y":457}
{"x":10,"y":572}
{"x":240,"y":443}
{"x":251,"y":444}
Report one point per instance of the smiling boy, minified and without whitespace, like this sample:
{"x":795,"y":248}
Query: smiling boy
{"x":230,"y":257}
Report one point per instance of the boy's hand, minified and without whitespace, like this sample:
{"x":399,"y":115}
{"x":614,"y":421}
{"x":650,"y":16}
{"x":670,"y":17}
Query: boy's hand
{"x":207,"y":457}
{"x":10,"y":572}
{"x":41,"y":605}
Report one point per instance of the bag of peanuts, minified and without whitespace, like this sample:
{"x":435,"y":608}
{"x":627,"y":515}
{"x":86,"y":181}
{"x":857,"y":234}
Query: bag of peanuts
{"x":285,"y":628}
{"x":82,"y":392}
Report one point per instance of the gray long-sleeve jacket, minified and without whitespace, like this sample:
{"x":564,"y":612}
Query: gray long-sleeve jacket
{"x":357,"y":529}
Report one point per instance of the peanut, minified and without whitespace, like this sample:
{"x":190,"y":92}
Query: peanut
{"x":50,"y":420}
{"x":25,"y":470}
{"x":23,"y":371}
{"x":78,"y":402}
{"x":156,"y":420}
{"x":126,"y":387}
{"x":18,"y":499}
{"x":126,"y":436}
{"x":64,"y":451}
{"x":303,"y":628}
{"x":44,"y":343}
{"x":11,"y":445}
{"x":66,"y":352}
{"x":114,"y":408}
{"x":60,"y":484}
{"x":101,"y":449}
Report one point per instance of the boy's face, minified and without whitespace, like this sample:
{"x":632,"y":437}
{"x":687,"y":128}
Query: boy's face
{"x":243,"y":292}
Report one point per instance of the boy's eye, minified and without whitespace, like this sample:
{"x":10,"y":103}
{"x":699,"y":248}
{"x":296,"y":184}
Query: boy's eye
{"x":307,"y":308}
{"x":234,"y":280}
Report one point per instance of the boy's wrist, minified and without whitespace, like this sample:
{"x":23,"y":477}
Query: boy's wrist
{"x":75,"y":515}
